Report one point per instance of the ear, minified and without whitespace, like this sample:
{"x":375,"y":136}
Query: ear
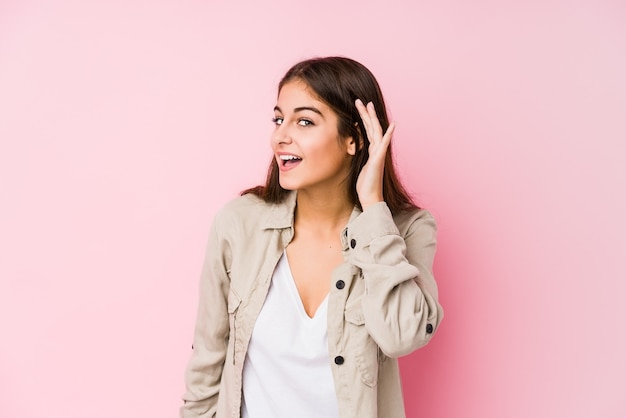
{"x":351,"y":145}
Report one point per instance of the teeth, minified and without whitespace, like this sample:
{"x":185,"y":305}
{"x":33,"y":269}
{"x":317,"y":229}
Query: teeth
{"x":289,"y":157}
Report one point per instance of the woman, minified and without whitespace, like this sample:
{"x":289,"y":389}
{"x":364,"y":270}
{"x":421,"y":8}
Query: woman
{"x":316,"y":282}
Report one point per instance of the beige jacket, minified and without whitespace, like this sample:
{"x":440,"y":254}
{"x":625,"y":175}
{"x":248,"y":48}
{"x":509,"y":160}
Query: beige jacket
{"x":382,"y":304}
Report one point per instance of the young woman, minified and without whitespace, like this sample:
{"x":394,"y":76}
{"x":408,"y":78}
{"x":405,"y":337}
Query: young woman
{"x":316,"y":282}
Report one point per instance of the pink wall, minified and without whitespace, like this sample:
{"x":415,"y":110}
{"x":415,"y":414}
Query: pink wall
{"x":124,"y":126}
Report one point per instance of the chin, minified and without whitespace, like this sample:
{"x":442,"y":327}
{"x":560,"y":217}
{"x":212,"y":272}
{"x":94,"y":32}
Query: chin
{"x":287,"y":185}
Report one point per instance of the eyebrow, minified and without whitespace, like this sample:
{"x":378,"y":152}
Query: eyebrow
{"x":300,"y":109}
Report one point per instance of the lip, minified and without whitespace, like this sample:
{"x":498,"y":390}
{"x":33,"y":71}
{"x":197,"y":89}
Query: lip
{"x":286,"y":167}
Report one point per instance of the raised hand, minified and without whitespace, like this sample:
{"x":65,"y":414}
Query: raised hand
{"x":369,"y":185}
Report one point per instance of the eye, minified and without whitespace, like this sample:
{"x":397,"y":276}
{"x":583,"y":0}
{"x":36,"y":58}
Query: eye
{"x":305,"y":122}
{"x":277,"y":120}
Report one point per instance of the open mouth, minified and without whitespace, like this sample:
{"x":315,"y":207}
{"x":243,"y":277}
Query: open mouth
{"x":289,"y":160}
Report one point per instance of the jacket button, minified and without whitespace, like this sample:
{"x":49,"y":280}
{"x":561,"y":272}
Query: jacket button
{"x":429,"y":328}
{"x":340,"y":284}
{"x":339,"y":360}
{"x":353,"y":243}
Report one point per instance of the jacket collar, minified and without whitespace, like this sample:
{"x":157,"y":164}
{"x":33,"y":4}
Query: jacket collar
{"x":281,"y":215}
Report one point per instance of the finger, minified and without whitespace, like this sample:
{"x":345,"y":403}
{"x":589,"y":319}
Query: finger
{"x":365,"y":117}
{"x":386,"y":140}
{"x":377,"y":130}
{"x":373,"y":133}
{"x":380,"y":150}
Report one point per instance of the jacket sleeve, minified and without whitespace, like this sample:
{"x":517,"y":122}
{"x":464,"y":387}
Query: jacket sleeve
{"x":400,"y":305}
{"x":210,"y":342}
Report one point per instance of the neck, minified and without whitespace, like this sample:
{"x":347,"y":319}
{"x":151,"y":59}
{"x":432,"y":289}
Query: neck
{"x":325,"y":212}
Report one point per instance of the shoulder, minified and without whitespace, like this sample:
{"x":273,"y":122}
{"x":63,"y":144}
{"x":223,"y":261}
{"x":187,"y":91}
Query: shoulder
{"x":249,"y":212}
{"x":244,"y":203}
{"x":415,"y":220}
{"x":241,"y":208}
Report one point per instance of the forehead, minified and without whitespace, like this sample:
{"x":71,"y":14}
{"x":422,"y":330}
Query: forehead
{"x":296,"y":94}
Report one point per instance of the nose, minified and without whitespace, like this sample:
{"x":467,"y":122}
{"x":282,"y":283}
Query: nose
{"x":281,"y":136}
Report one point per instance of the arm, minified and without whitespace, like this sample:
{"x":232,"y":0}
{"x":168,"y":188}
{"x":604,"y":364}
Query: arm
{"x":400,"y":306}
{"x":204,"y":371}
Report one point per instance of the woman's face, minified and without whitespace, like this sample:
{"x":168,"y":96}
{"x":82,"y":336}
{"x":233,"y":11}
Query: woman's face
{"x":306,"y":143}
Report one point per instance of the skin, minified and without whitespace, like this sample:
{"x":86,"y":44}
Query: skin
{"x":369,"y":185}
{"x":307,"y":128}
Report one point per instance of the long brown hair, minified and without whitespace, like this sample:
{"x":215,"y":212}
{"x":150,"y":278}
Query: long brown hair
{"x":338,"y":82}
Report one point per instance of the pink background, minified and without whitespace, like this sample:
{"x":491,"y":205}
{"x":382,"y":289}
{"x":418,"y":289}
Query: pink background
{"x":125,"y":125}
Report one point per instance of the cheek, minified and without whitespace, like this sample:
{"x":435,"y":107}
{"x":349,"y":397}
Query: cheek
{"x":273,"y":142}
{"x":331,"y":155}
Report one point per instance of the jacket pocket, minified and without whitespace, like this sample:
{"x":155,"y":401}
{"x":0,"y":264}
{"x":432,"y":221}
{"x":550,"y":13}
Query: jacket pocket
{"x":362,"y":346}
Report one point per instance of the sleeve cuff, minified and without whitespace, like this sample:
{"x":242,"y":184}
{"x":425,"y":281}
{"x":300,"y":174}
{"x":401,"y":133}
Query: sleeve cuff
{"x":374,"y":222}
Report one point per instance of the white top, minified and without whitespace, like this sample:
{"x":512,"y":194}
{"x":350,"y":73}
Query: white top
{"x":287,"y":372}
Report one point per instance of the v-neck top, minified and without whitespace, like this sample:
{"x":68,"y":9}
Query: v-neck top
{"x":287,"y":372}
